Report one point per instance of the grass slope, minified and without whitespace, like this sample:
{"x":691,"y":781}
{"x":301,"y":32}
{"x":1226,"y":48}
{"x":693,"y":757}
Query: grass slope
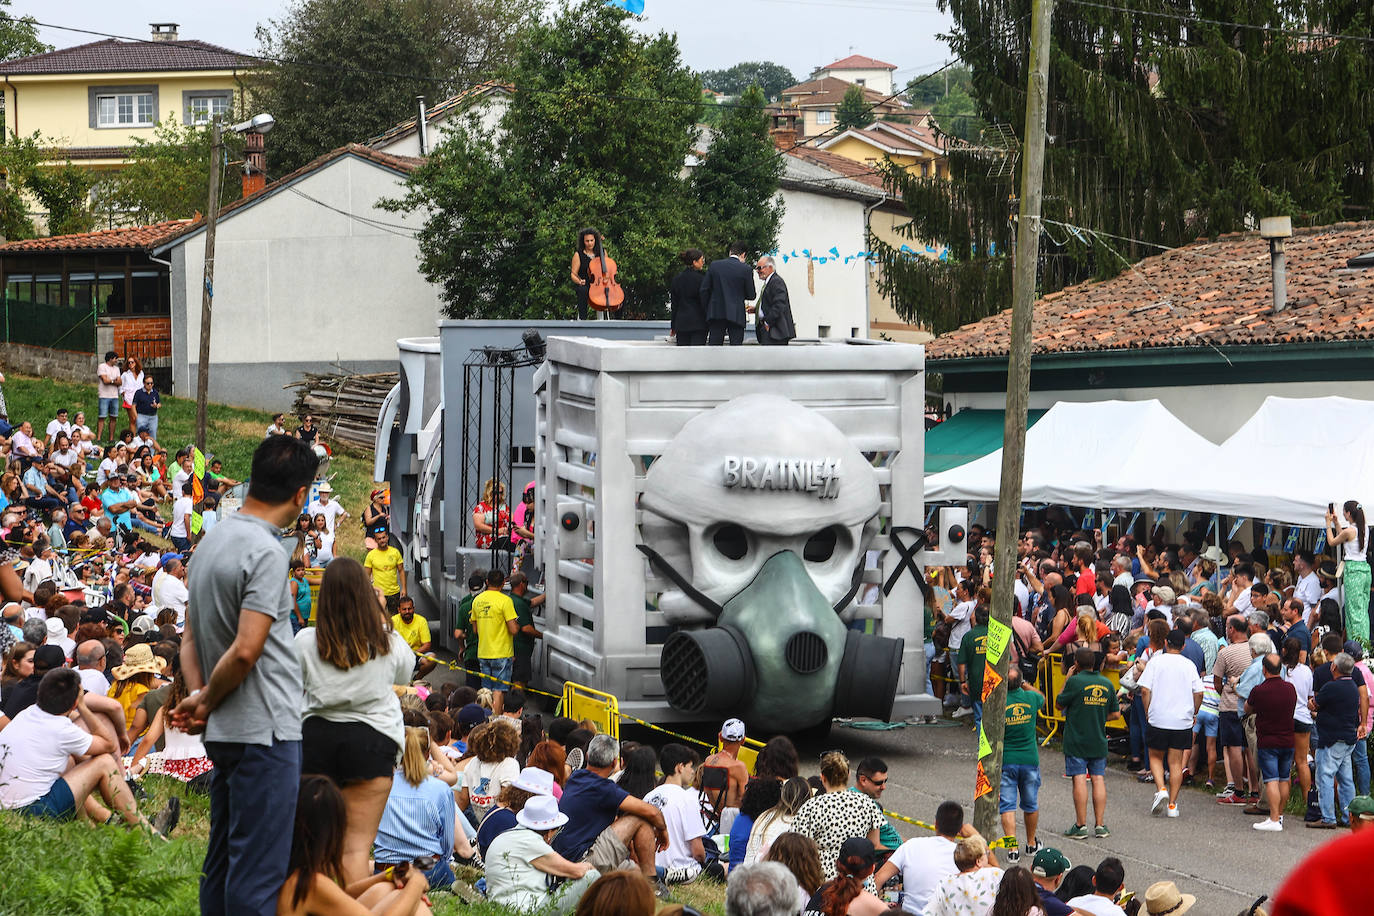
{"x":74,"y":869}
{"x":232,"y":432}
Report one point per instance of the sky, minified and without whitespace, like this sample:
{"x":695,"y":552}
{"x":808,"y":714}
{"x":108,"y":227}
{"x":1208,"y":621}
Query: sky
{"x":799,"y":34}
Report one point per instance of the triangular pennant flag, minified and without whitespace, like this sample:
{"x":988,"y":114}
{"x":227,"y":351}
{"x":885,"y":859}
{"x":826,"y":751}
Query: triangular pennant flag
{"x":984,"y":748}
{"x":982,"y":786}
{"x":197,"y":490}
{"x":990,"y":681}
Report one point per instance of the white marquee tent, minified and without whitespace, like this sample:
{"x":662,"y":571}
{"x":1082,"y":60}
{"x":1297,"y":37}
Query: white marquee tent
{"x":1283,"y":465}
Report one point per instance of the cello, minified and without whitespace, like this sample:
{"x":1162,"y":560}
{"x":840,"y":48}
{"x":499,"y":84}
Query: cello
{"x":603,"y":293}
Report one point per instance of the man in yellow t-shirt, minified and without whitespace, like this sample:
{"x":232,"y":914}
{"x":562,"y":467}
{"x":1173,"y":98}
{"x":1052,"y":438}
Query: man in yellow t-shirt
{"x":386,"y":567}
{"x":493,"y":616}
{"x":414,"y":629}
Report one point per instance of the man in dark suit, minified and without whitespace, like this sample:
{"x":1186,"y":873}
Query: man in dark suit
{"x":729,"y":282}
{"x":773,"y":320}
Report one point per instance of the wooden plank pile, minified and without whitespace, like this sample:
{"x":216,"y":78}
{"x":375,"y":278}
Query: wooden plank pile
{"x":345,"y":404}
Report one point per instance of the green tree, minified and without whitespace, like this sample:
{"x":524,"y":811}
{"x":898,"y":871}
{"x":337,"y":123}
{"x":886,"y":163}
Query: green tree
{"x":64,"y":191}
{"x":19,"y":156}
{"x":168,"y":177}
{"x":353,"y":68}
{"x":572,"y":150}
{"x":925,"y":90}
{"x":1159,"y":135}
{"x":957,"y":115}
{"x":19,"y":35}
{"x":770,"y":77}
{"x":735,"y":187}
{"x":853,"y":110}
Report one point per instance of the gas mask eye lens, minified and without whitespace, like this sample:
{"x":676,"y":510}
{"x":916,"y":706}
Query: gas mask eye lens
{"x":731,"y":541}
{"x":821,"y":546}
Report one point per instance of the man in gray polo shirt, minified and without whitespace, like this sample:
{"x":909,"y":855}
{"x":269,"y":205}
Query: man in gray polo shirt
{"x":240,"y":663}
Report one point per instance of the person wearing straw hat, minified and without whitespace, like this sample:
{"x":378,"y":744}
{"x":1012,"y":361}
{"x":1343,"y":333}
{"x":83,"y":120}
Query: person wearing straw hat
{"x":1163,"y":899}
{"x":519,"y":860}
{"x":134,"y":678}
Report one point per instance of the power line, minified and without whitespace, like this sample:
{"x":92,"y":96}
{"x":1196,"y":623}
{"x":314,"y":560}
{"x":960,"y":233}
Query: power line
{"x":1189,"y":18}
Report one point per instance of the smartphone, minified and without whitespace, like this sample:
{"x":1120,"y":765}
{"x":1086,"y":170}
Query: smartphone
{"x":1331,"y":507}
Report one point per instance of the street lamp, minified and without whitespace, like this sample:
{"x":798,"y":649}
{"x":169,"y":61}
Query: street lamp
{"x":253,"y":128}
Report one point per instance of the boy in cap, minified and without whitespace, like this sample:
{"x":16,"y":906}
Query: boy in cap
{"x":1048,"y":869}
{"x":727,"y":758}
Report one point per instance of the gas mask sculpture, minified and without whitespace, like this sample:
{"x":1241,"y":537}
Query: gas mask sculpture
{"x":760,"y":512}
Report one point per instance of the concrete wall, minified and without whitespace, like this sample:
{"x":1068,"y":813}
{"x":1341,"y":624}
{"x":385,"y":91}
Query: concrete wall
{"x":1216,"y":412}
{"x":832,"y":294}
{"x":299,"y":286}
{"x":490,"y":110}
{"x":878,"y":79}
{"x":67,"y":365}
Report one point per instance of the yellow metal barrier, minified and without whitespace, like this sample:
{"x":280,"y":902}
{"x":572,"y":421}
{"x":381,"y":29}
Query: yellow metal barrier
{"x":580,"y":702}
{"x":1050,"y":681}
{"x":748,"y":752}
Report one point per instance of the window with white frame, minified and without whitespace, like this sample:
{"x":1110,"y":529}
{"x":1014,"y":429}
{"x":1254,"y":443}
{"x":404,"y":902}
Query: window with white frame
{"x":823,"y":117}
{"x":125,"y":110}
{"x":207,"y":108}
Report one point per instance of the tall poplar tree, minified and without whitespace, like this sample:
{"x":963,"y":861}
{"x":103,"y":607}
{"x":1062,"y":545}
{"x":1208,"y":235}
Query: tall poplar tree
{"x":735,"y":187}
{"x":1164,"y":128}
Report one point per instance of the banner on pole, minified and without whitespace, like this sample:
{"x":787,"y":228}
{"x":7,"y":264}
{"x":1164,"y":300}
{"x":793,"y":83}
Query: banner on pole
{"x":990,"y":681}
{"x":984,"y":747}
{"x":999,"y":634}
{"x":982,"y":787}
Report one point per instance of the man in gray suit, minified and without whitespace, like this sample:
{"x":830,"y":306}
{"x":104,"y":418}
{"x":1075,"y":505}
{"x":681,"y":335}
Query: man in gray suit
{"x":773,"y":321}
{"x":729,"y":282}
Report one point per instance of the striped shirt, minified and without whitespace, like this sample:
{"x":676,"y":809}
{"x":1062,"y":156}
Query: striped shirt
{"x":418,"y":821}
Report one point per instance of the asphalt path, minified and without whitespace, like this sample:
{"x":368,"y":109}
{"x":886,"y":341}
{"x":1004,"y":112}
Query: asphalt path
{"x":1210,"y":850}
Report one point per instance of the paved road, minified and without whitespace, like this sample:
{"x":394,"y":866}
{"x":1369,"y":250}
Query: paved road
{"x":1210,"y":850}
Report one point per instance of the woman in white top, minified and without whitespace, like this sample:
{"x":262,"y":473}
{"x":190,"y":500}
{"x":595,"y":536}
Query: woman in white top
{"x":494,"y":767}
{"x":130,"y":382}
{"x":519,"y":860}
{"x":182,"y":756}
{"x":1300,"y":676}
{"x":776,"y":820}
{"x":1354,"y":535}
{"x":352,"y":730}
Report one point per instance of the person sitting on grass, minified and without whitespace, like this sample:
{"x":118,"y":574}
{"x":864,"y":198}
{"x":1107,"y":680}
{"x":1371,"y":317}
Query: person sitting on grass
{"x":314,"y":883}
{"x":521,"y":861}
{"x":35,"y":778}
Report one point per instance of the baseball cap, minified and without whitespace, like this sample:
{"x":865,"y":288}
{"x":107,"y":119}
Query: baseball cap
{"x":1362,"y":806}
{"x":1049,"y":862}
{"x":857,"y":847}
{"x":472,"y":714}
{"x":169,"y":557}
{"x":49,"y":657}
{"x":732,"y":730}
{"x":1163,"y":594}
{"x":143,"y":623}
{"x":1353,"y":648}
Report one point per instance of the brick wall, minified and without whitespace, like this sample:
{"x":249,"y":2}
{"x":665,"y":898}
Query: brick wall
{"x":66,"y":365}
{"x":150,"y":328}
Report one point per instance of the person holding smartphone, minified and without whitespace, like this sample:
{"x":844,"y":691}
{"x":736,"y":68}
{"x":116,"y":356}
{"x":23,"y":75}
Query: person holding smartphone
{"x":1353,"y":539}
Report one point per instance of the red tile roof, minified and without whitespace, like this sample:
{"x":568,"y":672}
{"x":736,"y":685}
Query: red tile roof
{"x":1213,"y":293}
{"x":829,"y":91}
{"x":402,"y":164}
{"x":862,"y":172}
{"x":141,"y":238}
{"x":859,"y":62}
{"x":113,"y":56}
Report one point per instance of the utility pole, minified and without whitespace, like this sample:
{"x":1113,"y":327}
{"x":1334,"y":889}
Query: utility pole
{"x":208,"y":292}
{"x":985,"y":816}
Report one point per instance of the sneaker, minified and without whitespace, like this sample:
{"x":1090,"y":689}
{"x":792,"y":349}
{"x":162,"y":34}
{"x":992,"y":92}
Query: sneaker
{"x":1147,"y":776}
{"x":1268,"y":825}
{"x":660,"y":890}
{"x":1210,"y":785}
{"x":1101,"y":833}
{"x":1232,"y":799}
{"x":714,"y":872}
{"x":963,"y":711}
{"x":1077,"y":831}
{"x":1032,"y":850}
{"x":1014,"y":855}
{"x":1187,"y":776}
{"x":1321,"y":825}
{"x":684,"y":875}
{"x":1160,"y":800}
{"x":1173,"y":811}
{"x":165,"y":821}
{"x":1229,"y":790}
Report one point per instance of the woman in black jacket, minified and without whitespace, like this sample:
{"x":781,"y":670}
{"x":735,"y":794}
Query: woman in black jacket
{"x":689,"y":313}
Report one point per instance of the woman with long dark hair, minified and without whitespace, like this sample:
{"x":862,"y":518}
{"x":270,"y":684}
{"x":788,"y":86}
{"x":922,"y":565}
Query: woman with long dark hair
{"x":1354,"y":536}
{"x":352,"y":730}
{"x":589,"y":247}
{"x":1016,"y":895}
{"x":316,"y":884}
{"x":845,"y":895}
{"x":640,"y":776}
{"x":689,"y":312}
{"x":798,"y":855}
{"x":1299,"y":675}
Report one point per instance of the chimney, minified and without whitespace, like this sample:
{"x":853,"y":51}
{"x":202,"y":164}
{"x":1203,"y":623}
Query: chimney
{"x":254,"y":163}
{"x":164,"y":31}
{"x":1276,"y":229}
{"x":783,"y":137}
{"x":421,"y":128}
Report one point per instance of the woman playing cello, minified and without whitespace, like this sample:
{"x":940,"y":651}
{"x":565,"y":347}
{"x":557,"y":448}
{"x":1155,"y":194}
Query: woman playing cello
{"x":589,"y":247}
